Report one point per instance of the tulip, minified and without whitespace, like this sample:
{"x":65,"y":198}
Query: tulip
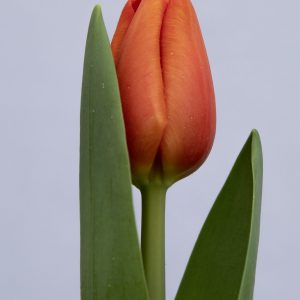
{"x":166,"y":89}
{"x":169,"y":110}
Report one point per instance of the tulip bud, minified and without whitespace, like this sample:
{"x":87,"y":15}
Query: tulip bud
{"x":166,"y":89}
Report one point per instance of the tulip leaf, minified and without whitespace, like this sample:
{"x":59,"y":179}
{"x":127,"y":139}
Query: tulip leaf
{"x":111,"y":263}
{"x":223,"y":262}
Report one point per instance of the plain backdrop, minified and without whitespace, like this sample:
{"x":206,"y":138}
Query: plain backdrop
{"x":254,"y":51}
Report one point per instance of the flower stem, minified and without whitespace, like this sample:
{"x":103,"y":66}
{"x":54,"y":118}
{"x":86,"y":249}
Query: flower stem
{"x":153,"y":239}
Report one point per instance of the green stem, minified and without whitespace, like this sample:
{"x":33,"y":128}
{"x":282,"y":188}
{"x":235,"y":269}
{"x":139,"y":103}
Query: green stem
{"x":153,"y":239}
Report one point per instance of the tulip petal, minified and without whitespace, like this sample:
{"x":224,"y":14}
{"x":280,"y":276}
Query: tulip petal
{"x":123,"y":24}
{"x":141,"y":84}
{"x":188,"y":89}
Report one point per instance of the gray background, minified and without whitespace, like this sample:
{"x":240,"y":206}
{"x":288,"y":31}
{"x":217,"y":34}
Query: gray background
{"x":254,"y":49}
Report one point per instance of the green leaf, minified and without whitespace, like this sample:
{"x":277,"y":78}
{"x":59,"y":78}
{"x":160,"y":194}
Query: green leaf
{"x":222,"y":264}
{"x":111,"y":264}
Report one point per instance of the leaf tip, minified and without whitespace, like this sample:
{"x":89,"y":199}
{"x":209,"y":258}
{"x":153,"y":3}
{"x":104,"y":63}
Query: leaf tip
{"x":255,"y":134}
{"x":257,"y":158}
{"x":96,"y":16}
{"x":255,"y":138}
{"x":97,"y":10}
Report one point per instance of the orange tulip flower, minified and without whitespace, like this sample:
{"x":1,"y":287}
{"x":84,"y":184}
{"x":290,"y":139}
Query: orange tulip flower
{"x":166,"y":89}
